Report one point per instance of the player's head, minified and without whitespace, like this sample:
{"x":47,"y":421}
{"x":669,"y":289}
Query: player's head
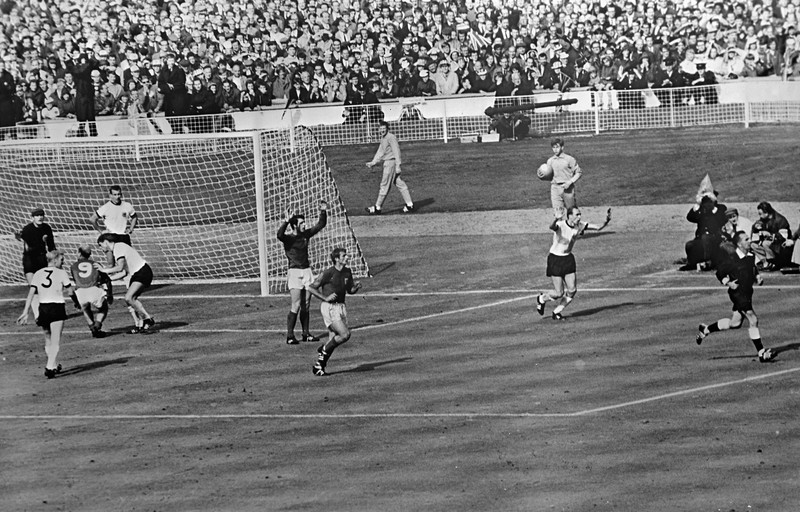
{"x":338,"y":254}
{"x":573,"y":213}
{"x":85,"y":251}
{"x":298,"y":221}
{"x":384,"y":127}
{"x":742,"y":240}
{"x":557,"y":145}
{"x":37,"y":215}
{"x":55,"y":258}
{"x":106,"y":241}
{"x":115,"y":193}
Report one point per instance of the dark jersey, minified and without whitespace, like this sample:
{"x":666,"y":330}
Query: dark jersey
{"x":296,"y":245}
{"x":335,"y":281}
{"x":743,"y":271}
{"x":38,"y":240}
{"x":84,"y":273}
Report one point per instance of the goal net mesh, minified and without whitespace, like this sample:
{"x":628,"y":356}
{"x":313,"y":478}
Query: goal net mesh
{"x":195,"y":198}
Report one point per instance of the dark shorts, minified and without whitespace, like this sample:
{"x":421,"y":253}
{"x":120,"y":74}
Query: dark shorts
{"x":33,"y":262}
{"x":50,"y":312}
{"x":144,"y":275}
{"x":560,"y":266}
{"x":742,"y":301}
{"x":125,"y":239}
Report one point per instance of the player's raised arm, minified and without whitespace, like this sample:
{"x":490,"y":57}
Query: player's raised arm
{"x":597,"y":227}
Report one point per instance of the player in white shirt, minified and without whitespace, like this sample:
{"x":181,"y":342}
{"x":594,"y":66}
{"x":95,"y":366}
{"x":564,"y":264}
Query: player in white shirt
{"x":49,"y":284}
{"x":561,"y":261}
{"x":118,"y":216}
{"x":140,"y":276}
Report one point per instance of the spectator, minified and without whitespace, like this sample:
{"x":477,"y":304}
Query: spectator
{"x":172,"y":84}
{"x":81,"y":67}
{"x":772,"y":238}
{"x":447,"y":82}
{"x":702,"y":252}
{"x":7,"y":94}
{"x":379,"y":39}
{"x":425,"y":87}
{"x":66,"y":104}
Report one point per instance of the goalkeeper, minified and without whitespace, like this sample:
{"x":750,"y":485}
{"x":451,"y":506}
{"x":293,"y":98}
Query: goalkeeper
{"x":295,"y":244}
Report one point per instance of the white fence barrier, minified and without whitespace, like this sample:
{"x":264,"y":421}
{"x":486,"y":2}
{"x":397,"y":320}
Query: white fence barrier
{"x":736,"y":102}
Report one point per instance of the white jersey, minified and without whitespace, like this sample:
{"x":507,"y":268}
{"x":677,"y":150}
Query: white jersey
{"x":115,"y":216}
{"x":564,"y":237}
{"x":50,"y":283}
{"x":133,"y":260}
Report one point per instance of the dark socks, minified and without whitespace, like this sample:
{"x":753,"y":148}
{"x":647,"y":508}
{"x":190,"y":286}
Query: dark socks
{"x":304,"y":320}
{"x":757,"y":343}
{"x":291,"y":321}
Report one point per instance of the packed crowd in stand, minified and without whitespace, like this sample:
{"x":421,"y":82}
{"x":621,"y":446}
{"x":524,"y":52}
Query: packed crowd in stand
{"x":136,"y":58}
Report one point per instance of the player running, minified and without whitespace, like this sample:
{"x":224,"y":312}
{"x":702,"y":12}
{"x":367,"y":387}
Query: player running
{"x":739,"y":273}
{"x":49,"y":284}
{"x":331,"y":287}
{"x":561,"y":261}
{"x":92,"y":289}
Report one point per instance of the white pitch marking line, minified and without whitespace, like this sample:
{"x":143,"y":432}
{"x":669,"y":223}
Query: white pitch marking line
{"x":498,"y":415}
{"x":453,"y":292}
{"x":261,"y":331}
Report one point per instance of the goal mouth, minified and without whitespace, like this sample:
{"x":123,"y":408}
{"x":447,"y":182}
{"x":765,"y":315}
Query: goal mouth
{"x":209,"y":205}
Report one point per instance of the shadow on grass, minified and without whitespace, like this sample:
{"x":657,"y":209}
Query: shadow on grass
{"x":92,"y":366}
{"x":595,"y":234}
{"x":119,"y":293}
{"x":159,"y":327}
{"x":775,"y":350}
{"x":592,"y":311}
{"x":368,"y":367}
{"x":419,"y":205}
{"x":786,"y":348}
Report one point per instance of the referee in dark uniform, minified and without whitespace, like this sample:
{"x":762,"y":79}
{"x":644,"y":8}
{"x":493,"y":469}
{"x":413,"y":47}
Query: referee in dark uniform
{"x":739,"y":274}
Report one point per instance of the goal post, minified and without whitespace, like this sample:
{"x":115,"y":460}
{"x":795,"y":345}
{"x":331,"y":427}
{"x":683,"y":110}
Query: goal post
{"x":209,"y":205}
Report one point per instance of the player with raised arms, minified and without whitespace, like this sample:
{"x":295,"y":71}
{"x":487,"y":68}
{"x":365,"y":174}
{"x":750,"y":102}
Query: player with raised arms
{"x":140,"y":277}
{"x":295,"y":237}
{"x":561,"y":262}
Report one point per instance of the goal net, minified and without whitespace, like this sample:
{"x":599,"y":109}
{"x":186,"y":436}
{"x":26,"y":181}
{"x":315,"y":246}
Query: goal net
{"x":209,"y":206}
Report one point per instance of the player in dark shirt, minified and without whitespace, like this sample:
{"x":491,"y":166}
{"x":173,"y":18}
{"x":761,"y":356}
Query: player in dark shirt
{"x":37,"y":238}
{"x":331,"y":287}
{"x":90,"y":290}
{"x":739,"y":274}
{"x":295,"y":244}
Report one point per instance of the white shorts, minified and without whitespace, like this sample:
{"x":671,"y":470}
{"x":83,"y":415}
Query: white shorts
{"x":299,"y":278}
{"x":332,"y":312}
{"x":95,"y":296}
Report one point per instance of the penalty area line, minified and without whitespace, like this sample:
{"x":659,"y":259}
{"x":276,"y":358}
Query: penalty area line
{"x":269,"y":331}
{"x":397,"y":415}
